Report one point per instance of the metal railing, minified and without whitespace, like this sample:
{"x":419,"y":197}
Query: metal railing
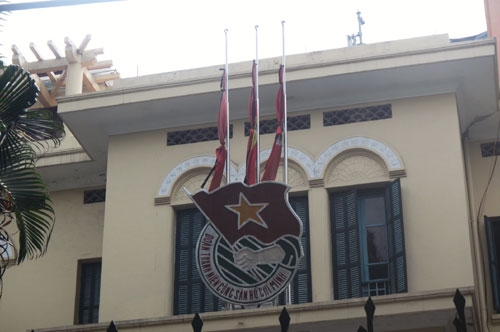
{"x":284,"y":318}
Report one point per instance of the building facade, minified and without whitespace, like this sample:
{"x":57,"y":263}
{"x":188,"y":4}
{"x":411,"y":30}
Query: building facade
{"x":392,"y":161}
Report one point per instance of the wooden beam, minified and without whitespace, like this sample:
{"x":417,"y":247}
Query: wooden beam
{"x":89,"y":57}
{"x":101,"y":65}
{"x":54,"y":49}
{"x":72,"y":55}
{"x":44,"y":96}
{"x":84,"y":44}
{"x":60,"y":82}
{"x":51,"y":65}
{"x":106,"y":77}
{"x":37,"y":54}
{"x":89,"y":82}
{"x":17,"y":57}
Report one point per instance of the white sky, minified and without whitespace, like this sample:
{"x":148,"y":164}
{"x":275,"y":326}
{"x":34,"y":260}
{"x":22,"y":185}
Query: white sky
{"x":147,"y":36}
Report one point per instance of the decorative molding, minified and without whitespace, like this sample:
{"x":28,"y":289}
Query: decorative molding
{"x":196,"y":135}
{"x":177,"y":171}
{"x":391,"y":159}
{"x":306,"y":171}
{"x":190,"y":181}
{"x":316,"y":183}
{"x":356,"y":167}
{"x":301,"y":158}
{"x":162,"y":200}
{"x":359,"y":114}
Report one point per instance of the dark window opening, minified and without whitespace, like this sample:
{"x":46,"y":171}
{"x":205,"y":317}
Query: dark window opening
{"x":94,"y":196}
{"x":368,"y":242}
{"x":493,"y":235}
{"x":89,"y":292}
{"x":361,"y":114}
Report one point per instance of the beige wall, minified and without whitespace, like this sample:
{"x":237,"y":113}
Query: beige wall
{"x":139,"y":236}
{"x":480,"y":170}
{"x":41,"y":293}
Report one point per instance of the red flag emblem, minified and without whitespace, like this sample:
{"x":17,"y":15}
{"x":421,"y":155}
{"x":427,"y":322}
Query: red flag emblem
{"x":250,"y":248}
{"x":261,"y":211}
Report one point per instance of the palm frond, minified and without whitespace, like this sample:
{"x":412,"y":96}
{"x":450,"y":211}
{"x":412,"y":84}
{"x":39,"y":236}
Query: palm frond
{"x":33,"y":208}
{"x":23,"y":136}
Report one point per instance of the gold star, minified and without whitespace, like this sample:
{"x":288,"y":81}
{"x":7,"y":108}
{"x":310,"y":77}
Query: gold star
{"x":248,"y":212}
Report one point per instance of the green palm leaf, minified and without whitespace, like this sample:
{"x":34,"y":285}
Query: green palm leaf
{"x":24,"y":135}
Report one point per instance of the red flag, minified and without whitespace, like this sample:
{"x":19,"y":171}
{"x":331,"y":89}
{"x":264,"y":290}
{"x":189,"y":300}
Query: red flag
{"x":253,"y":112}
{"x":273,"y":162}
{"x":221,"y":153}
{"x":261,"y":211}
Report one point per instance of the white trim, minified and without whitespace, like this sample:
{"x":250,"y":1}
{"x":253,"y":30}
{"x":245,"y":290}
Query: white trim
{"x":177,"y":171}
{"x":391,"y":159}
{"x":314,"y":169}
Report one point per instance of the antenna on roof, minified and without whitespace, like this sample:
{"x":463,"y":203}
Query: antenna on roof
{"x":352,"y":40}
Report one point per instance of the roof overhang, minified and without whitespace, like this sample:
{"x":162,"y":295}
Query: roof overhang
{"x":327,"y":79}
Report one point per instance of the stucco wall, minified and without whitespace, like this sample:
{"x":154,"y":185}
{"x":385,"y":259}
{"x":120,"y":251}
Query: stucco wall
{"x":41,"y":293}
{"x":138,"y":250}
{"x":484,"y":199}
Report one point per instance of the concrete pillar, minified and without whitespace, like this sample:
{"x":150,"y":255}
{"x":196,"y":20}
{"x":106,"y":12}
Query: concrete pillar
{"x":74,"y":79}
{"x":492,"y":11}
{"x":321,"y":247}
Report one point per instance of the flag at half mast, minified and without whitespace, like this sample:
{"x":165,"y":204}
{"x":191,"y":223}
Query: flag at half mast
{"x":221,"y":152}
{"x":272,"y":164}
{"x":252,"y":146}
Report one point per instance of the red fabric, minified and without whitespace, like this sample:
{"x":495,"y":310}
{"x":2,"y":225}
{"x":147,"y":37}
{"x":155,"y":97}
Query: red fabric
{"x":220,"y":163}
{"x":253,"y":112}
{"x":273,"y":162}
{"x":220,"y":153}
{"x":276,"y":213}
{"x":222,"y":117}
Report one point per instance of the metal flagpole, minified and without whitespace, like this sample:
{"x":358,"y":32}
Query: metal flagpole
{"x":257,"y":118}
{"x":285,"y":137}
{"x":228,"y":158}
{"x":285,"y":120}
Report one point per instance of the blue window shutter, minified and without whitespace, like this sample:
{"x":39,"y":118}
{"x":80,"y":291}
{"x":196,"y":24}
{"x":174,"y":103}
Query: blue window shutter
{"x":301,"y":283}
{"x":90,"y":292}
{"x":345,"y":248}
{"x":395,"y":235}
{"x":492,"y":233}
{"x":191,"y":295}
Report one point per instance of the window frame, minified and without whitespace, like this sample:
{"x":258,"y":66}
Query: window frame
{"x":79,"y":286}
{"x":306,"y":247}
{"x":203,"y":297}
{"x":492,"y":226}
{"x":346,"y":239}
{"x":366,"y":281}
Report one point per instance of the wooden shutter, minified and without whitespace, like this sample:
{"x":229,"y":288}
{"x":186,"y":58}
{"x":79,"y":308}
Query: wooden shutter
{"x":395,"y":237}
{"x":492,"y":233}
{"x":345,"y":248}
{"x":191,"y":294}
{"x":301,"y":283}
{"x":90,"y":293}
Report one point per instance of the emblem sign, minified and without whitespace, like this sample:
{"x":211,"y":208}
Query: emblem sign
{"x":250,"y":248}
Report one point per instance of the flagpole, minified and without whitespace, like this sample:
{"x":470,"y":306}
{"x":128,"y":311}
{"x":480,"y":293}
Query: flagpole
{"x":228,"y":158}
{"x":285,"y":136}
{"x":285,"y":126}
{"x":257,"y":118}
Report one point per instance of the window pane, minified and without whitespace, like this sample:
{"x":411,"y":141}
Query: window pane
{"x":378,"y":271}
{"x":374,"y":209}
{"x":376,"y":238}
{"x":90,"y":290}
